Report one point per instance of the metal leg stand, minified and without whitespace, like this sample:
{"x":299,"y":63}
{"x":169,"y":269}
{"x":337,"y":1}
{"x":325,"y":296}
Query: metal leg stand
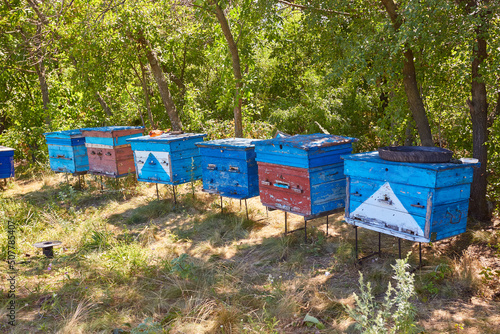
{"x":157,"y":194}
{"x":267,"y":212}
{"x":379,"y":239}
{"x":327,"y":225}
{"x":246,"y":207}
{"x":305,"y":230}
{"x":175,"y":198}
{"x":420,"y":254}
{"x":286,"y":224}
{"x":356,"y":237}
{"x":102,"y":186}
{"x":399,"y":243}
{"x":221,"y":208}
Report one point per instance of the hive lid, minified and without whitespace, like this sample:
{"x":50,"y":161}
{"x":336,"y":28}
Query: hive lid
{"x":167,"y":137}
{"x":6,"y":149}
{"x":113,"y":128}
{"x":374,"y":157}
{"x":422,"y":154}
{"x":74,"y":133}
{"x":307,"y":142}
{"x":244,"y":143}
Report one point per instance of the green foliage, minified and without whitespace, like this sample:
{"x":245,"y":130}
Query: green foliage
{"x":183,"y":266}
{"x":395,"y":314}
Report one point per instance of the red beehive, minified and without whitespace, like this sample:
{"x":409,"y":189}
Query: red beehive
{"x":108,"y":151}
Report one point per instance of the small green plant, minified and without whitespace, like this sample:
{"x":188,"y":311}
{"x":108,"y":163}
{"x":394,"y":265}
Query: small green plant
{"x":395,"y":314}
{"x":489,"y":275}
{"x":311,"y":321}
{"x":148,"y":326}
{"x":183,"y":266}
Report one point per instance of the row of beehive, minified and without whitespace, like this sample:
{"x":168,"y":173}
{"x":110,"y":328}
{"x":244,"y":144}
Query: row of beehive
{"x":304,"y":175}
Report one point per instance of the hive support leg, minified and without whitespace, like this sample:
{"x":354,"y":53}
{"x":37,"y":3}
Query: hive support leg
{"x":420,"y":254}
{"x":286,"y":224}
{"x":157,"y":194}
{"x":102,"y":187}
{"x":305,"y":230}
{"x":246,"y":207}
{"x":79,"y":182}
{"x":326,"y":225}
{"x":175,"y":198}
{"x":240,"y":204}
{"x":379,"y":242}
{"x":221,"y":207}
{"x":399,"y":243}
{"x":267,"y":212}
{"x":192,"y":187}
{"x":356,"y":243}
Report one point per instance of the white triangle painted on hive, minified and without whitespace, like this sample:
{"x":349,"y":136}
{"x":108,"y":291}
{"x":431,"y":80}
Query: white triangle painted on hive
{"x":165,"y":161}
{"x":140,"y":159}
{"x":377,"y":208}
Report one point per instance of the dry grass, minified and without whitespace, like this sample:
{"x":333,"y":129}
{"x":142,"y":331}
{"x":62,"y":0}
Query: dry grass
{"x":127,"y":257}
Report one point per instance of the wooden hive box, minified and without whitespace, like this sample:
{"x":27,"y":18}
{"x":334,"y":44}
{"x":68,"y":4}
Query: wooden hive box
{"x":108,"y":151}
{"x":229,"y":167}
{"x":6,"y":162}
{"x":67,"y":152}
{"x":415,"y":201}
{"x":167,"y":158}
{"x":303,"y":174}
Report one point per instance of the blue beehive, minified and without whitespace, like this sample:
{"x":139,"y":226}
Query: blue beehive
{"x":415,"y":201}
{"x":303,"y":174}
{"x":167,"y":158}
{"x":67,"y":152}
{"x":6,"y":162}
{"x":229,"y":167}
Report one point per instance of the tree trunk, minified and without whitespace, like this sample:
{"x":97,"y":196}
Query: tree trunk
{"x":478,"y":106}
{"x":415,"y":100}
{"x":233,"y":49}
{"x":39,"y":56}
{"x":146,"y":94}
{"x":104,"y":105}
{"x":410,"y":82}
{"x":162,"y":86}
{"x":44,"y":87}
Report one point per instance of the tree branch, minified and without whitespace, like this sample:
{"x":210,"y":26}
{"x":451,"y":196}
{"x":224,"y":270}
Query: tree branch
{"x":302,"y":7}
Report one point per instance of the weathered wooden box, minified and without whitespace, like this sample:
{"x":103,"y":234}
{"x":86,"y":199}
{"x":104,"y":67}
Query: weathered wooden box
{"x":229,"y":167}
{"x":67,"y":152}
{"x":303,"y":174}
{"x":108,"y":151}
{"x":415,"y":201}
{"x":6,"y":162}
{"x":167,"y":158}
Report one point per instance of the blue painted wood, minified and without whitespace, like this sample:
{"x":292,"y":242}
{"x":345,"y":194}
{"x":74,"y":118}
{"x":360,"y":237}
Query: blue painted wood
{"x":168,"y":158}
{"x":304,"y":151}
{"x":229,"y":167}
{"x":6,"y":162}
{"x":111,"y":141}
{"x":67,"y":152}
{"x":112,"y":128}
{"x":415,"y":201}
